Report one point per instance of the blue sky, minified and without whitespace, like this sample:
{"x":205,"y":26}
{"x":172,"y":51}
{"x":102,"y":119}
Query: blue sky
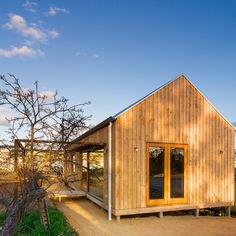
{"x":114,"y":52}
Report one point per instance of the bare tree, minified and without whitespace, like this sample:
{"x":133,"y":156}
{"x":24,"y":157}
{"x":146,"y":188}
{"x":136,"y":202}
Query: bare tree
{"x":44,"y":122}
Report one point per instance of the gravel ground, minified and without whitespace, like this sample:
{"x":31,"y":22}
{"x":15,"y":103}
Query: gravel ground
{"x":89,"y":219}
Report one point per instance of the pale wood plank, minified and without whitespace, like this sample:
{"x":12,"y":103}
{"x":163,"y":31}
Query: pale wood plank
{"x":143,"y":155}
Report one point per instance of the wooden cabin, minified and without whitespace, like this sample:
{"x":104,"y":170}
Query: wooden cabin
{"x":171,"y":150}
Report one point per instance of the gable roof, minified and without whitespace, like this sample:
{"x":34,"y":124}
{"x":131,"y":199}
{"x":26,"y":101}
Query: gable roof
{"x":156,"y":90}
{"x":145,"y":97}
{"x":114,"y":117}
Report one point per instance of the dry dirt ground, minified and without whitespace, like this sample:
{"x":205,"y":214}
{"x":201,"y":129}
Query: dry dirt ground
{"x":89,"y":219}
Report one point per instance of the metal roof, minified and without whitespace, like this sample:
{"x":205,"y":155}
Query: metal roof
{"x":92,"y":130}
{"x":143,"y":98}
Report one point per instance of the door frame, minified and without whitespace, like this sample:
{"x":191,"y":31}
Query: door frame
{"x":167,"y":200}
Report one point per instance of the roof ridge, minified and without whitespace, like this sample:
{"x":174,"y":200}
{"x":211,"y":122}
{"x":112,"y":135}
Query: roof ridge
{"x":148,"y":95}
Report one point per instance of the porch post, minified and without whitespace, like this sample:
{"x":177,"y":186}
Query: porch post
{"x":109,"y":170}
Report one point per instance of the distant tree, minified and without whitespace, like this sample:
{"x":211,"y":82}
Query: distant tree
{"x":36,"y":115}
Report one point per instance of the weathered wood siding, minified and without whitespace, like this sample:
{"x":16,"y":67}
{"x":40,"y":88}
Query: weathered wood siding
{"x":177,"y":113}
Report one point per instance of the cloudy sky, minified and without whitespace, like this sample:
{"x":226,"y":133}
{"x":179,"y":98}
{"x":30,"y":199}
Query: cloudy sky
{"x":114,"y":52}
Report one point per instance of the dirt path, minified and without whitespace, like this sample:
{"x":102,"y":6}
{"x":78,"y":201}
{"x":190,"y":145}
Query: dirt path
{"x":89,"y":219}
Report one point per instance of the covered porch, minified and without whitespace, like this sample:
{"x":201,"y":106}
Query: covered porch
{"x":86,"y":167}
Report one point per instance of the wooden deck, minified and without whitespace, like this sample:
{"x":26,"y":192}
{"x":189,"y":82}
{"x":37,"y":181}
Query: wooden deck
{"x":168,"y":208}
{"x":66,"y":194}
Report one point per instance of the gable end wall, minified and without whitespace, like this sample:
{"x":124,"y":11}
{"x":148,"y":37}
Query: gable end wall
{"x":177,"y":113}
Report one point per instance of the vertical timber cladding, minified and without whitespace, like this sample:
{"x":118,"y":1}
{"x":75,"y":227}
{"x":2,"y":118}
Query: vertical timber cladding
{"x":177,"y":113}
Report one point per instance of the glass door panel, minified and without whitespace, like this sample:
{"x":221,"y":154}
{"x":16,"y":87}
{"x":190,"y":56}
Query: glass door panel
{"x":176,"y":172}
{"x":156,"y":172}
{"x":96,"y":172}
{"x":166,"y":174}
{"x":85,"y":171}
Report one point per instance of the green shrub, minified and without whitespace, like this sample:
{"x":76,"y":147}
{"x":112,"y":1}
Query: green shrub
{"x":2,"y":219}
{"x":32,"y":226}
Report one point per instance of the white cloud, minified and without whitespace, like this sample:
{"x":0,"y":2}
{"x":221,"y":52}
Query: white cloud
{"x":30,"y":6}
{"x":81,"y":54}
{"x":28,"y":43}
{"x":84,"y":54}
{"x":20,"y":25}
{"x":47,"y":94}
{"x":95,"y":55}
{"x":23,"y":51}
{"x":53,"y":33}
{"x":53,"y":11}
{"x":3,"y":121}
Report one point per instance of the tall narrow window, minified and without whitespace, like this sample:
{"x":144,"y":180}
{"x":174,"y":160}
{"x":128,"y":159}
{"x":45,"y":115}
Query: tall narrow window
{"x":96,"y":171}
{"x":156,"y":172}
{"x":177,"y":172}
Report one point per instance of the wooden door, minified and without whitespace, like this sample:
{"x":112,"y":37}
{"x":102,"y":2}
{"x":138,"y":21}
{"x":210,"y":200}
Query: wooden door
{"x":166,"y":174}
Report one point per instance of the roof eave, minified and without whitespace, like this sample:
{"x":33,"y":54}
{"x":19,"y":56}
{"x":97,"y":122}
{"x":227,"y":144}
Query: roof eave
{"x":92,"y":130}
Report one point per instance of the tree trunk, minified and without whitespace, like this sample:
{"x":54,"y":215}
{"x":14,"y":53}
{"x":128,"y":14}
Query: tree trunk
{"x":18,"y":209}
